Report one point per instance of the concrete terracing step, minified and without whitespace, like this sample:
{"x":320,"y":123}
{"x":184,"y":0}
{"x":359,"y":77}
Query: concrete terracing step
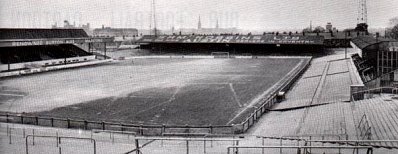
{"x":383,"y":118}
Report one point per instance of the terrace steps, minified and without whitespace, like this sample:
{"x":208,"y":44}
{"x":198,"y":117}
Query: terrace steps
{"x":317,"y":91}
{"x":382,"y":115}
{"x":334,"y":121}
{"x":319,"y":86}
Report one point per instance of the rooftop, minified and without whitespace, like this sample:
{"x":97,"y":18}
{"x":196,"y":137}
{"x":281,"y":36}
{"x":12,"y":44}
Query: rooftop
{"x":364,"y":41}
{"x":14,"y":33}
{"x":252,"y":39}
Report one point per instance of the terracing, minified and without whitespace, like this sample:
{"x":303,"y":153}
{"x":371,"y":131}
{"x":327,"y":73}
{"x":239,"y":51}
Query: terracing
{"x":319,"y":105}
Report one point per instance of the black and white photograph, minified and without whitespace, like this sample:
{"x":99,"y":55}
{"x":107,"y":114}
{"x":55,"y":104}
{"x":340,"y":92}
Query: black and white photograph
{"x":198,"y":76}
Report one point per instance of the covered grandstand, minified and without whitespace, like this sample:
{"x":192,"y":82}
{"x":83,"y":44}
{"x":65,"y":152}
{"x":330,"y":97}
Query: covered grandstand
{"x":22,"y":49}
{"x":235,"y":44}
{"x":25,"y":34}
{"x":24,"y":54}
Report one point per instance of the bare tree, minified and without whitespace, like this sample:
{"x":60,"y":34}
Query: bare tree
{"x":393,"y":21}
{"x":307,"y":30}
{"x":394,"y":31}
{"x":319,"y":29}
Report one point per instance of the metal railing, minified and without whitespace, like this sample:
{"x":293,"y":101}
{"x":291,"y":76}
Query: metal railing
{"x":269,"y":101}
{"x":13,"y":132}
{"x":303,"y":138}
{"x":140,"y":129}
{"x":357,"y":142}
{"x":300,"y":149}
{"x":138,"y":149}
{"x":314,"y":136}
{"x":58,"y":141}
{"x":360,"y":95}
{"x":112,"y":134}
{"x":364,"y":128}
{"x":250,"y":120}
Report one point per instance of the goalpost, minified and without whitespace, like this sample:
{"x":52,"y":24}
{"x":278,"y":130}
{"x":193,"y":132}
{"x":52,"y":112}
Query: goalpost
{"x":220,"y":54}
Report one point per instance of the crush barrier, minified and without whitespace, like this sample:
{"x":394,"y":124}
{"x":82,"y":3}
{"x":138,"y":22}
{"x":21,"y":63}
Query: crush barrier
{"x":269,"y":101}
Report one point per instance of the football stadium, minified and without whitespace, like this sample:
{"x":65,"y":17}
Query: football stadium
{"x":63,"y":90}
{"x":213,"y":102}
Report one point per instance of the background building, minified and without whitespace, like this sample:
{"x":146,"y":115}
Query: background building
{"x":376,"y":60}
{"x":329,"y":27}
{"x":115,"y":32}
{"x":67,"y":25}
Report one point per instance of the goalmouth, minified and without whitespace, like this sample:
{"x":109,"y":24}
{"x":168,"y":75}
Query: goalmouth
{"x":220,"y":54}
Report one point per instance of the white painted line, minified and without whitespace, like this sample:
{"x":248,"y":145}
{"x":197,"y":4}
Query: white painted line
{"x":135,"y":96}
{"x":10,"y":90}
{"x":168,"y":101}
{"x":220,"y":83}
{"x":258,"y":98}
{"x":235,"y":96}
{"x":12,"y":95}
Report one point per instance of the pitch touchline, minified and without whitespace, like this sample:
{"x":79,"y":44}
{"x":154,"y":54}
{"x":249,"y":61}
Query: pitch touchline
{"x":259,"y":97}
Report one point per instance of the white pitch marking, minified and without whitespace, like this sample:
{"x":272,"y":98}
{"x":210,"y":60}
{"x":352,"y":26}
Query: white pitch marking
{"x":168,"y":101}
{"x":219,"y":83}
{"x":259,"y":97}
{"x":12,"y":95}
{"x":235,"y":96}
{"x":11,"y":90}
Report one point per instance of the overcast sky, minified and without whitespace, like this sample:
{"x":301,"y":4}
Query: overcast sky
{"x":243,"y":14}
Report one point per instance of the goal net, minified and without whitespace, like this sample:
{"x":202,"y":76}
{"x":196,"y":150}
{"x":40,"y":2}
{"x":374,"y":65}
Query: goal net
{"x":220,"y":54}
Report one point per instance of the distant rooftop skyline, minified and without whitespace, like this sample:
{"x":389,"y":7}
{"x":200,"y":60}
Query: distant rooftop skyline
{"x":242,"y":14}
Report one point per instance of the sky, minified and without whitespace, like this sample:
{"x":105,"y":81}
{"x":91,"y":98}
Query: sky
{"x":242,"y":14}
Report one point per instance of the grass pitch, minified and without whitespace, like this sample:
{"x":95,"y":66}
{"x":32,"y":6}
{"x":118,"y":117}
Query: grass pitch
{"x":150,"y":91}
